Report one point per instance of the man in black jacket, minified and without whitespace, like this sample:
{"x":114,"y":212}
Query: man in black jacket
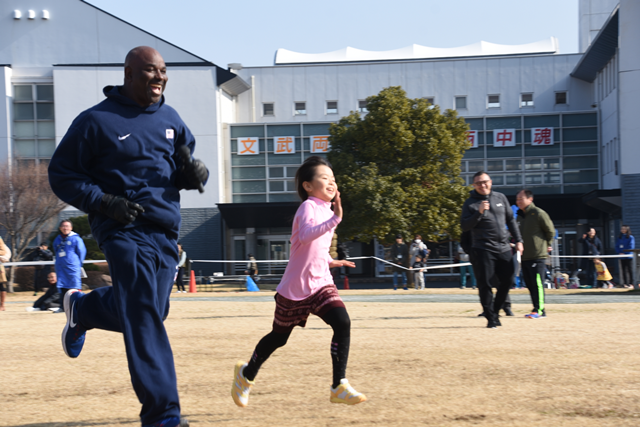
{"x":400,"y":255}
{"x":487,"y":215}
{"x":592,"y":246}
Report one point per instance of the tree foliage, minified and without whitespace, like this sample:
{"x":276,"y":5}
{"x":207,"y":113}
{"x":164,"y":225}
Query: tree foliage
{"x":398,"y":168}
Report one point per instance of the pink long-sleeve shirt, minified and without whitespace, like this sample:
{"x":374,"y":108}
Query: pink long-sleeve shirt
{"x":308,"y":268}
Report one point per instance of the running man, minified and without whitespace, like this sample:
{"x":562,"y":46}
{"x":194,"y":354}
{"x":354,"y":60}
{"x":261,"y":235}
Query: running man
{"x":120,"y":162}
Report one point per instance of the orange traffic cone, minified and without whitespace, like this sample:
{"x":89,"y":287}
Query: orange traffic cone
{"x":346,"y":282}
{"x":192,"y":283}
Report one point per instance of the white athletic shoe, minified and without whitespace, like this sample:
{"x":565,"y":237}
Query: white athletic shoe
{"x":32,"y":309}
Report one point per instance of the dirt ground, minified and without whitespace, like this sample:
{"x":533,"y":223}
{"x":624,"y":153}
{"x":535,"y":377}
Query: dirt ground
{"x":431,"y":364}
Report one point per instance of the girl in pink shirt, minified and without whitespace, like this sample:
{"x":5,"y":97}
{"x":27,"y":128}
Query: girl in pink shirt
{"x":307,"y":285}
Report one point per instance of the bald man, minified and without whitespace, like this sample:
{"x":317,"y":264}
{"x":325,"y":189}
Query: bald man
{"x":120,"y":162}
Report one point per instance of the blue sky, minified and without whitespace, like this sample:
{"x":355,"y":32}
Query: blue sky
{"x":250,"y":31}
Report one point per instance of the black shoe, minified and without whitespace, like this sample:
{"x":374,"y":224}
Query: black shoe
{"x":481,"y":314}
{"x":508,"y":312}
{"x":492,"y":325}
{"x":498,"y":322}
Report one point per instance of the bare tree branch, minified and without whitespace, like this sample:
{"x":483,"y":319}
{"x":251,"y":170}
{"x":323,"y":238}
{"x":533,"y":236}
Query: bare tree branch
{"x":27,"y":206}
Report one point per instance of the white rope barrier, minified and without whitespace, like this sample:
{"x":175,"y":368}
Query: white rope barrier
{"x":285,"y":261}
{"x":455,"y":265}
{"x":27,"y":263}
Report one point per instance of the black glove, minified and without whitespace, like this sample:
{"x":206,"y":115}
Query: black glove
{"x":196,"y":173}
{"x":193,"y":170}
{"x":119,"y":208}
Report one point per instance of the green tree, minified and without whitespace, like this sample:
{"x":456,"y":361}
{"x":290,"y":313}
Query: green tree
{"x":398,"y":169}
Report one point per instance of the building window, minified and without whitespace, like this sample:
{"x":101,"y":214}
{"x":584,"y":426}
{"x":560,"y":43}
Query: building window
{"x":362,"y":106}
{"x":493,"y":101}
{"x":300,"y":108}
{"x":267,"y":109}
{"x":561,"y":98}
{"x":475,"y":165}
{"x":33,"y":123}
{"x":461,"y":102}
{"x":530,"y":164}
{"x":513,"y":165}
{"x":494,"y":165}
{"x":332,"y":107}
{"x":280,"y":179}
{"x":430,"y":99}
{"x":526,"y":100}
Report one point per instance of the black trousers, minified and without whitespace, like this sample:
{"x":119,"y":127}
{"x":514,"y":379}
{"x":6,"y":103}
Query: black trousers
{"x":534,"y":272}
{"x":486,"y":266}
{"x":626,"y":273}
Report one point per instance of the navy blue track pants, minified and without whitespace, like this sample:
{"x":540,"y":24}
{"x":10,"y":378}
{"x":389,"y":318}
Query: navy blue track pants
{"x":142,"y":263}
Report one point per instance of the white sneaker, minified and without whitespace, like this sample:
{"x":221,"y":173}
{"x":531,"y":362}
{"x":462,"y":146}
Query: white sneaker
{"x":32,"y":309}
{"x":344,"y":393}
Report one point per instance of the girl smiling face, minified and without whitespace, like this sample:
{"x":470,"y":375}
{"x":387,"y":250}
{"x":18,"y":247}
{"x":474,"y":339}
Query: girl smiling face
{"x":323,"y":185}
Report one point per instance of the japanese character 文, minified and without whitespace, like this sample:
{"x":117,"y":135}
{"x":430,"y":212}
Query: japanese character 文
{"x":504,"y":137}
{"x":320,"y":143}
{"x":284,"y":145}
{"x":248,"y":146}
{"x":541,"y":136}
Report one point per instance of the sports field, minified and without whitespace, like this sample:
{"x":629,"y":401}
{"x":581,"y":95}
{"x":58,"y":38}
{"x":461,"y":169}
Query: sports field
{"x":419,"y":363}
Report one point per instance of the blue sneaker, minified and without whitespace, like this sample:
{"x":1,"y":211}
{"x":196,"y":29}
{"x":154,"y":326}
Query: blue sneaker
{"x":169,"y":422}
{"x":73,"y":333}
{"x":533,"y":315}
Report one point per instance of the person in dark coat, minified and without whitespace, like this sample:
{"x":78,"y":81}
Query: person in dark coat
{"x":400,"y":256}
{"x":487,"y":215}
{"x":592,"y":246}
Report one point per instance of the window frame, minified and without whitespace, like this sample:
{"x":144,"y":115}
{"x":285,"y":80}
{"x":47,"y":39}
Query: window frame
{"x":299,"y":111}
{"x":526,"y":104}
{"x":566,"y":97}
{"x":273,"y":109}
{"x":326,"y":111}
{"x":493,"y":105}
{"x":38,"y":155}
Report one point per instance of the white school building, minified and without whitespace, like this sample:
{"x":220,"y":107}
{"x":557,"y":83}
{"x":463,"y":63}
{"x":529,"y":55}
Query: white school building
{"x":563,"y":125}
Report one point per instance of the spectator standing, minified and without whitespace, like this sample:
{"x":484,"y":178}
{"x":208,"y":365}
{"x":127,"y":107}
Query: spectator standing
{"x":252,"y":266}
{"x":400,"y":256}
{"x":418,"y":247}
{"x":70,"y":253}
{"x":418,"y":273}
{"x":624,"y":243}
{"x":5,"y":256}
{"x":41,"y":253}
{"x":537,"y":234}
{"x":591,"y":245}
{"x":487,"y":214}
{"x":124,"y":161}
{"x":463,"y":257}
{"x":182,"y":262}
{"x":50,"y":299}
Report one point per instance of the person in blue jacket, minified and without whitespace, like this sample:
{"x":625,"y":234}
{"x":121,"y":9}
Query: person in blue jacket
{"x":70,"y":251}
{"x":624,"y":243}
{"x":124,"y":162}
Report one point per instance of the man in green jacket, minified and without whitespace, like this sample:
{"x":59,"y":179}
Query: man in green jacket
{"x":537,"y":233}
